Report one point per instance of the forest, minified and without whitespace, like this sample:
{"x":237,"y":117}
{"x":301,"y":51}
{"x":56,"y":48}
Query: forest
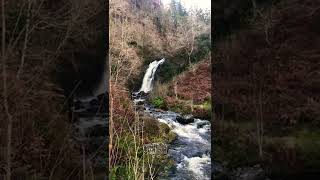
{"x":155,"y":89}
{"x":52,"y":52}
{"x":266,"y":89}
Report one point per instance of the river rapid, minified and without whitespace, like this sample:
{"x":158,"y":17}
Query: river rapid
{"x":191,"y":150}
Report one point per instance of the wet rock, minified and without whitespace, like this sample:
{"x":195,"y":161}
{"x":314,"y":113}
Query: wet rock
{"x":94,"y":102}
{"x":78,"y":105}
{"x":91,"y":127}
{"x":138,"y":95}
{"x":160,"y":110}
{"x":185,"y":119}
{"x":201,"y":124}
{"x":139,"y":103}
{"x":103,"y":97}
{"x":92,"y":110}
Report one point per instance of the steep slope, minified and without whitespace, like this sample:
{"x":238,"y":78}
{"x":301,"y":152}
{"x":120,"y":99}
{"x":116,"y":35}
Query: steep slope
{"x":141,"y":32}
{"x":267,"y":92}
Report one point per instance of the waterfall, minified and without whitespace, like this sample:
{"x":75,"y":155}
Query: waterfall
{"x":147,"y":83}
{"x":191,"y":150}
{"x":103,"y":85}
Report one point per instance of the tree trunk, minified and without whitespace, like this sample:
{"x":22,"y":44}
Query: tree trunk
{"x":254,"y":8}
{"x":25,"y":41}
{"x":176,"y":90}
{"x":5,"y":93}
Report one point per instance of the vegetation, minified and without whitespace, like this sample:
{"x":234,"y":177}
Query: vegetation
{"x":141,"y":32}
{"x":183,"y":95}
{"x":265,"y":104}
{"x":35,"y":129}
{"x":158,"y":102}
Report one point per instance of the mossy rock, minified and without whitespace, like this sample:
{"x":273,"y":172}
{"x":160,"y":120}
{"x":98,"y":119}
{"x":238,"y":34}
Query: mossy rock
{"x":151,"y":126}
{"x":164,"y":128}
{"x":171,"y":137}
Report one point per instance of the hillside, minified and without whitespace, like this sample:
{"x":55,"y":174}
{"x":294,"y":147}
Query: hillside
{"x":188,"y":92}
{"x":45,"y":46}
{"x":266,"y":77}
{"x":141,"y":32}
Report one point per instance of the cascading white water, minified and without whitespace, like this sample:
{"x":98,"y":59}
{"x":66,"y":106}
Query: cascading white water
{"x":147,"y":83}
{"x":100,"y":88}
{"x":103,"y":85}
{"x":191,"y":150}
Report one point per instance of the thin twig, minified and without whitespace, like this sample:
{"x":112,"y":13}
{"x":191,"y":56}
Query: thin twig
{"x":25,"y":41}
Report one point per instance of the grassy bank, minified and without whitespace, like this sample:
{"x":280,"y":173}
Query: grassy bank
{"x":131,"y":131}
{"x":188,"y":93}
{"x":148,"y":33}
{"x":287,"y":154}
{"x":36,"y":129}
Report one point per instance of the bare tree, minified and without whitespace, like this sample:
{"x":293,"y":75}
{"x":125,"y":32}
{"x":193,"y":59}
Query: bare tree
{"x":26,"y":38}
{"x":5,"y":91}
{"x":254,"y":7}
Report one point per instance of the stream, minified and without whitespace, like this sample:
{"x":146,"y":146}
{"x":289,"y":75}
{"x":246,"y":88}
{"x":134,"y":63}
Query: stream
{"x":90,"y":126}
{"x":191,"y":150}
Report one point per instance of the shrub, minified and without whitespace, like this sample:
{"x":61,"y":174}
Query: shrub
{"x":159,"y":102}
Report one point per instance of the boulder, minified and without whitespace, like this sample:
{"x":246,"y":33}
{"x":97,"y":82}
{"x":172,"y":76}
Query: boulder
{"x":78,"y":105}
{"x":138,"y":95}
{"x":94,"y":102}
{"x":201,"y":124}
{"x":185,"y":119}
{"x":139,"y":102}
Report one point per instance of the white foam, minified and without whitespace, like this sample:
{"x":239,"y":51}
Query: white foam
{"x":149,"y":76}
{"x":196,"y":165}
{"x":189,"y":131}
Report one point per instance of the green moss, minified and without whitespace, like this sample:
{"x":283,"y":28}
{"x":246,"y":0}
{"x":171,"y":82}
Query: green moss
{"x":159,"y":102}
{"x":120,"y":172}
{"x":183,"y":108}
{"x":151,"y":126}
{"x":164,"y":128}
{"x":207,"y":105}
{"x":164,"y":135}
{"x":171,"y":137}
{"x":308,"y":143}
{"x":161,"y":163}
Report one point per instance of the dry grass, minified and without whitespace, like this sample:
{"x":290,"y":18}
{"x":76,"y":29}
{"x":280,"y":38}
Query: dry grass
{"x":38,"y":33}
{"x":283,"y":63}
{"x":127,"y":157}
{"x":135,"y":39}
{"x":262,"y":79}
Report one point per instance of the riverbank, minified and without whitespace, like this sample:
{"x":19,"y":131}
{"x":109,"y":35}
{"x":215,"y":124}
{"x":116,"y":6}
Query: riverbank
{"x":148,"y":33}
{"x":188,"y":142}
{"x":191,"y":147}
{"x":189,"y":92}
